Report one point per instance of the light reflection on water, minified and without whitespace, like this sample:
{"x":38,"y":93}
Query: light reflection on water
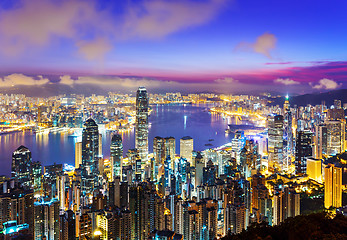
{"x":166,"y":120}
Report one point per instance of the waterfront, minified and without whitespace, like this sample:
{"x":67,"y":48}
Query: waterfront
{"x":165,"y":120}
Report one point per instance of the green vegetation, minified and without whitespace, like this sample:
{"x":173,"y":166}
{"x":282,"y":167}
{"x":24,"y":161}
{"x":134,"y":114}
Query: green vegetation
{"x":314,"y":226}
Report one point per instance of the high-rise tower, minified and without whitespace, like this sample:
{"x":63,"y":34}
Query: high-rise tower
{"x":275,"y":141}
{"x":116,"y":155}
{"x":141,"y":124}
{"x":90,"y":151}
{"x":22,"y":166}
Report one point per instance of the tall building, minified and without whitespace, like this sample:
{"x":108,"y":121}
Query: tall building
{"x":46,"y":216}
{"x":186,"y":148}
{"x":287,"y":134}
{"x":332,"y":186}
{"x":78,"y":154}
{"x":159,"y":150}
{"x":303,"y":150}
{"x":22,"y":166}
{"x":335,"y":136}
{"x":321,"y":141}
{"x":116,"y":155}
{"x":141,"y":124}
{"x":275,"y":141}
{"x":314,"y":169}
{"x":90,"y":152}
{"x":170,"y":148}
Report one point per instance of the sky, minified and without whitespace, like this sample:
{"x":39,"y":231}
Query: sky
{"x":296,"y":46}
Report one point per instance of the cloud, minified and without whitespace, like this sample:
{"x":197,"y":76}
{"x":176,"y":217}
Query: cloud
{"x":159,"y":18}
{"x":286,"y":81}
{"x":327,"y":84}
{"x":21,"y":79}
{"x":226,"y":80}
{"x":263,"y":45}
{"x":94,"y":50}
{"x":39,"y":24}
{"x":66,"y":79}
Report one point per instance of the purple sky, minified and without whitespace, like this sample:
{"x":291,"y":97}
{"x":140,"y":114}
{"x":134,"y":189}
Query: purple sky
{"x":225,"y":45}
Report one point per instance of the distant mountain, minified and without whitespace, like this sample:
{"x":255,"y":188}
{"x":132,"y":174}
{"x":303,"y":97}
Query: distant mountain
{"x":314,"y":98}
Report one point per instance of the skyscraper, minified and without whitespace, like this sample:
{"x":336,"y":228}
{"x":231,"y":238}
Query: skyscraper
{"x":22,"y":166}
{"x":116,"y":155}
{"x":275,"y":141}
{"x":90,"y":151}
{"x":332,"y":186}
{"x":159,"y":150}
{"x":141,"y":124}
{"x":287,"y":134}
{"x":186,"y":148}
{"x":303,"y":150}
{"x":78,"y":154}
{"x":170,"y":148}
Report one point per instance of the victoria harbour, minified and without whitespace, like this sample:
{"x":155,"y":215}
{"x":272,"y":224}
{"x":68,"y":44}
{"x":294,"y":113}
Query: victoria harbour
{"x":176,"y":120}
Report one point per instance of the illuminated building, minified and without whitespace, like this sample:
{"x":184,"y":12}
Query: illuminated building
{"x":37,"y":177}
{"x":237,"y":144}
{"x":85,"y":229}
{"x":68,"y":226}
{"x":314,"y":169}
{"x":141,"y":123}
{"x":287,"y":134}
{"x":12,"y":229}
{"x":116,"y":155}
{"x":159,"y":150}
{"x":275,"y":142}
{"x":46,"y":217}
{"x":303,"y":150}
{"x":332,"y":186}
{"x":321,"y":141}
{"x":78,"y":154}
{"x":335,"y":136}
{"x":170,"y":149}
{"x":17,"y":205}
{"x":22,"y":167}
{"x":186,"y":148}
{"x":90,"y":151}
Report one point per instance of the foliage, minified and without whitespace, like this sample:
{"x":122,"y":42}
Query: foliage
{"x":314,"y":226}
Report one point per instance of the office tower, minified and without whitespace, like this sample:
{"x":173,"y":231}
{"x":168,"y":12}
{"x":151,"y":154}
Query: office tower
{"x":186,"y":148}
{"x":159,"y":150}
{"x":46,"y":216}
{"x":335,"y":136}
{"x":68,"y":226}
{"x":321,"y":141}
{"x":90,"y":151}
{"x":141,"y":123}
{"x":237,"y":144}
{"x":337,"y":104}
{"x":170,"y":148}
{"x":116,"y":155}
{"x":78,"y":154}
{"x":22,"y":167}
{"x":303,"y":150}
{"x":209,"y":174}
{"x":275,"y":142}
{"x":332,"y":186}
{"x":287,"y":134}
{"x":100,"y":145}
{"x":314,"y":169}
{"x":37,"y":177}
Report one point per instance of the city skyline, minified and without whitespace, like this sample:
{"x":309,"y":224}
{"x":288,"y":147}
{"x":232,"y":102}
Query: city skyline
{"x":230,"y":46}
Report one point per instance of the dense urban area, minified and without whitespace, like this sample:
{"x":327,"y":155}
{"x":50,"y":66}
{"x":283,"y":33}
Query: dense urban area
{"x":292,"y":162}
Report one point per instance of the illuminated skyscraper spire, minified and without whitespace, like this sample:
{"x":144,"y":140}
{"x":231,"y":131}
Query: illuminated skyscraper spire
{"x":141,"y":124}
